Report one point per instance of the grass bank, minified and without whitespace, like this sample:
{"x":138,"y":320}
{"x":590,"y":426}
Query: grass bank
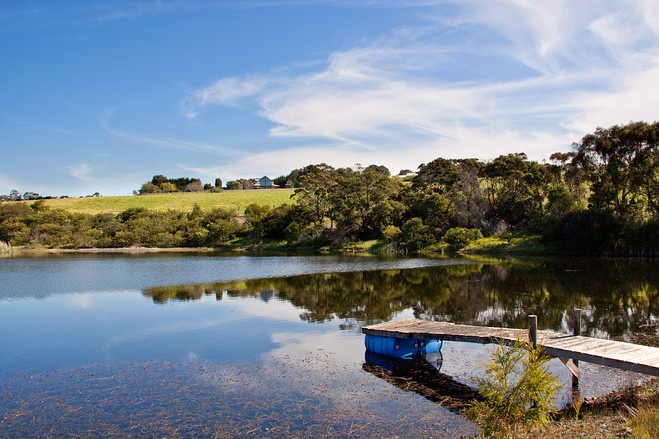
{"x":508,"y":243}
{"x":630,"y":413}
{"x":235,"y":201}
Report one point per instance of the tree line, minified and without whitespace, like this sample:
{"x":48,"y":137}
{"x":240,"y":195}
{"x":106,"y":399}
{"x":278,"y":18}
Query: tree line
{"x":159,"y":183}
{"x":602,"y":197}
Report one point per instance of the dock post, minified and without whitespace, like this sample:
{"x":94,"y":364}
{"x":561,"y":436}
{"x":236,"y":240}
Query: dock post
{"x":577,"y":331}
{"x":533,"y":330}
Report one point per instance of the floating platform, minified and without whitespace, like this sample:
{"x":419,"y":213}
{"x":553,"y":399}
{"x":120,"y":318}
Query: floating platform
{"x":616,"y":354}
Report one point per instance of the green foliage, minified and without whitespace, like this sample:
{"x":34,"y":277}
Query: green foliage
{"x":509,"y":243}
{"x":362,"y":202}
{"x":433,"y":208}
{"x":160,"y":183}
{"x":314,"y":194}
{"x":168,"y":187}
{"x":415,"y":235}
{"x":586,"y":232}
{"x":616,"y":170}
{"x":221,"y":226}
{"x":460,"y":237}
{"x":391,"y":234}
{"x":516,"y":188}
{"x":621,"y":163}
{"x":643,"y":239}
{"x":149,"y":188}
{"x":58,"y":228}
{"x":293,"y":231}
{"x":240,"y":184}
{"x":518,"y":389}
{"x":280,"y":181}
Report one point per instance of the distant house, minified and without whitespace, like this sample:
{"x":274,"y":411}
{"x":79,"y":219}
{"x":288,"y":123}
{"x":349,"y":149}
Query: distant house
{"x":265,"y":183}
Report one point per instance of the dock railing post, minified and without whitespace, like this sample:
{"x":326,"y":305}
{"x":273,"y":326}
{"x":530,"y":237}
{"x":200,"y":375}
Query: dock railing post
{"x":533,"y":334}
{"x":533,"y":330}
{"x":577,"y":331}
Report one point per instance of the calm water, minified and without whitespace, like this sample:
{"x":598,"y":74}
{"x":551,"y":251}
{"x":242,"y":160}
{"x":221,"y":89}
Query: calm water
{"x":203,"y":345}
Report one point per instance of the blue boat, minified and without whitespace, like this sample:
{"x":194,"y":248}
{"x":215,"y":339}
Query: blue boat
{"x":401,"y":347}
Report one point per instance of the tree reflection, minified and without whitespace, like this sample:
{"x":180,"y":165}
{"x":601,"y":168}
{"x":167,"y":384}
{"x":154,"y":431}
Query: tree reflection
{"x":617,"y":296}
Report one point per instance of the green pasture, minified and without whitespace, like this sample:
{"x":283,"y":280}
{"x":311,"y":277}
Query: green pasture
{"x":234,"y":200}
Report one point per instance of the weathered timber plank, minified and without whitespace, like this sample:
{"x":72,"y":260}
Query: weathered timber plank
{"x":578,"y":343}
{"x":618,"y":349}
{"x":651,"y":357}
{"x":620,"y":355}
{"x":569,"y":363}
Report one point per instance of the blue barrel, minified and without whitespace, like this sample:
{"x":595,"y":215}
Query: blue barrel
{"x":428,"y":345}
{"x":391,"y":346}
{"x":401,"y":347}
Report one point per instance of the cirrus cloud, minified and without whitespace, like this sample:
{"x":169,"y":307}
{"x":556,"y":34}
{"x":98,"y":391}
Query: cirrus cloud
{"x":401,"y":98}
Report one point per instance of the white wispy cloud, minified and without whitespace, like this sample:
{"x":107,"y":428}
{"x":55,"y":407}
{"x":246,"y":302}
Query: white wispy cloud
{"x":589,"y":64}
{"x":81,"y":171}
{"x":160,"y":141}
{"x":167,"y":142}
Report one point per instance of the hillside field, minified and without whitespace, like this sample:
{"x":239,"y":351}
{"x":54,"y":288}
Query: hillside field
{"x":234,"y":200}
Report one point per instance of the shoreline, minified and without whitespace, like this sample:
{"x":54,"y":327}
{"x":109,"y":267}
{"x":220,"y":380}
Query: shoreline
{"x":117,"y":250}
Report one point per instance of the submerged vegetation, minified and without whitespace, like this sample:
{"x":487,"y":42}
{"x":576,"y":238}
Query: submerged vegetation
{"x":600,"y":198}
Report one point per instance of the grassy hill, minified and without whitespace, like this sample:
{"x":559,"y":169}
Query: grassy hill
{"x":235,"y":201}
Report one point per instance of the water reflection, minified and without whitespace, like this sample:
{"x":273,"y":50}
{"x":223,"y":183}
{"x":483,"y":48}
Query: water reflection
{"x":92,"y":348}
{"x":421,"y":374}
{"x":620,"y":298}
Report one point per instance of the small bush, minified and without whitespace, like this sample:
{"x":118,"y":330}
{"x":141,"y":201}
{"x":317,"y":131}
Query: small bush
{"x":391,"y":234}
{"x":415,"y":235}
{"x":518,"y":389}
{"x":460,"y":237}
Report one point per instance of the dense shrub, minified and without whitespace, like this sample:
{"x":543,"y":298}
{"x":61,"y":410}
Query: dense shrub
{"x":460,"y":237}
{"x":415,"y":235}
{"x":586,"y":232}
{"x":643,"y":239}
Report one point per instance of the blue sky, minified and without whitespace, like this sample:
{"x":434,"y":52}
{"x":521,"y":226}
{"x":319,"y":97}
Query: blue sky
{"x":102,"y":95}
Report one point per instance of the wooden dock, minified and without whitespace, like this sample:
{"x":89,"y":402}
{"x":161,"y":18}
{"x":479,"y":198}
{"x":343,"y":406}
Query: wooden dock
{"x":616,"y":354}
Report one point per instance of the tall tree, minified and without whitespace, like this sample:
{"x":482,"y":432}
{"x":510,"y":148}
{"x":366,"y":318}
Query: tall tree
{"x":440,"y":175}
{"x":467,"y":198}
{"x":363,"y":201}
{"x":517,"y":188}
{"x":313,"y":196}
{"x":621,"y":163}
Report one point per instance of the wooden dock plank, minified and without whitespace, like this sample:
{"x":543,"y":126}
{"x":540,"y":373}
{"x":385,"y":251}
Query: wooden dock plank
{"x":649,"y":357}
{"x":620,"y":355}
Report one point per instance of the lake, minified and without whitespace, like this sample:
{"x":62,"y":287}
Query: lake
{"x":199,"y":345}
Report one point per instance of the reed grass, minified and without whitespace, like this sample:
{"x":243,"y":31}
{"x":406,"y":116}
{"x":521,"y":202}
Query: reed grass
{"x":644,"y":423}
{"x":5,"y":248}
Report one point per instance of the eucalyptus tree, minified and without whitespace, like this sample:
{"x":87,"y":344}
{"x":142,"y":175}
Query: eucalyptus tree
{"x":517,"y":188}
{"x":364,"y":201}
{"x":313,"y":197}
{"x":468,"y":204}
{"x":439,"y":175}
{"x":622,"y":164}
